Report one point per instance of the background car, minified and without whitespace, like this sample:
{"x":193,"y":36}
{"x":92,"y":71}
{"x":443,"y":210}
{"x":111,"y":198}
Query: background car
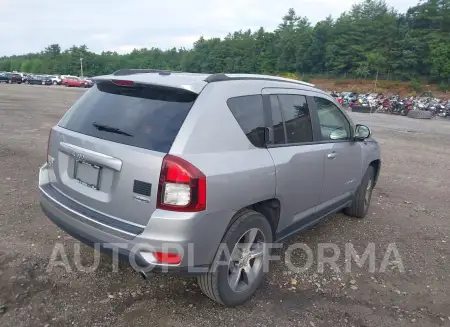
{"x":75,"y":82}
{"x":3,"y":77}
{"x":64,"y":78}
{"x":39,"y":80}
{"x":24,"y":77}
{"x":56,"y":80}
{"x":10,"y":78}
{"x":89,"y":82}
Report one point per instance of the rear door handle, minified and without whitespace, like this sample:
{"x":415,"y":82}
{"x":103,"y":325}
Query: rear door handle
{"x":331,"y":155}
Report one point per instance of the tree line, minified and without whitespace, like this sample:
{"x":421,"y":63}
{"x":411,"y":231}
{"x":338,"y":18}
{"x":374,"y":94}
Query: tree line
{"x":371,"y":39}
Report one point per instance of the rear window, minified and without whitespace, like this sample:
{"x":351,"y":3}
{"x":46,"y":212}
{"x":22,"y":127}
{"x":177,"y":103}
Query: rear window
{"x":143,"y":116}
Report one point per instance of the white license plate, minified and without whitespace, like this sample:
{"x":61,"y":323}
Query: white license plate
{"x":87,"y":174}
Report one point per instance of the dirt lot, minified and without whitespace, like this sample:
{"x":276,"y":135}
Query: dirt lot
{"x":410,"y":208}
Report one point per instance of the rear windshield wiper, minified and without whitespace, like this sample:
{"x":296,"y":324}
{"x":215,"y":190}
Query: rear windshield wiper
{"x":110,"y":129}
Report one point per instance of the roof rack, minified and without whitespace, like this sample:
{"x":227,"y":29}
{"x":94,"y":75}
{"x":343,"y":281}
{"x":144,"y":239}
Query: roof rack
{"x":129,"y":71}
{"x":223,"y":77}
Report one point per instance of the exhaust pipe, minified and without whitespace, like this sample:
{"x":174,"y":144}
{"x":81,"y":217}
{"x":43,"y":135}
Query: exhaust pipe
{"x":145,"y":275}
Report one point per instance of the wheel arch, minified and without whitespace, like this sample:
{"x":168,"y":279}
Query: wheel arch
{"x":376,"y":164}
{"x":269,"y":208}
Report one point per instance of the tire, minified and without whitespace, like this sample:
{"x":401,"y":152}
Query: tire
{"x":216,"y":284}
{"x":420,"y":114}
{"x":55,"y":83}
{"x":361,"y":202}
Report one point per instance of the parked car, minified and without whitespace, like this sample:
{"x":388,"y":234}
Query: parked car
{"x":185,"y":169}
{"x":3,"y":77}
{"x":39,"y":80}
{"x":74,"y":82}
{"x":10,"y":78}
{"x":25,"y":77}
{"x":89,"y":82}
{"x":64,"y":78}
{"x":56,"y":80}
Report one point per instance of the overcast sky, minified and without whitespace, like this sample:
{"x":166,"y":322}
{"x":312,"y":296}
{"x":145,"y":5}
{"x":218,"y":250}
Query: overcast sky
{"x":122,"y":25}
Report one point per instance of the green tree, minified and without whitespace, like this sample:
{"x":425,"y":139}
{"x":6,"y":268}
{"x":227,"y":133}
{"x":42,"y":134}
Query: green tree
{"x":371,"y":39}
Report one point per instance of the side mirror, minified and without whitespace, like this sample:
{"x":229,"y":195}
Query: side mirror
{"x":362,"y":132}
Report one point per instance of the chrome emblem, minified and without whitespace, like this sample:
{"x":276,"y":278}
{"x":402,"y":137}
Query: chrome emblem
{"x":141,"y":199}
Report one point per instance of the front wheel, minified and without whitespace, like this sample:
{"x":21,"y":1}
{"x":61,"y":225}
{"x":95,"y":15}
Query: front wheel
{"x":361,"y":201}
{"x":239,"y":264}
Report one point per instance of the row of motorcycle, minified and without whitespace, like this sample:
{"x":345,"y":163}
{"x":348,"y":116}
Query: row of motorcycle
{"x":399,"y":106}
{"x":396,"y":105}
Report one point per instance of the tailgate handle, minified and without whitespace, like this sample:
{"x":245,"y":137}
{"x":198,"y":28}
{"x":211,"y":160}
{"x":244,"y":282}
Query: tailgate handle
{"x":90,"y":156}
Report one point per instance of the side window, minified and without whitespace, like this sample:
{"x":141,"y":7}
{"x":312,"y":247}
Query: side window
{"x":333,"y":124}
{"x":296,"y":117}
{"x":248,"y":111}
{"x":279,"y":137}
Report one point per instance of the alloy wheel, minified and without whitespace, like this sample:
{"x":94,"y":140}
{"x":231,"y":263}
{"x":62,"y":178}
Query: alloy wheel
{"x":368,"y":194}
{"x":246,"y":260}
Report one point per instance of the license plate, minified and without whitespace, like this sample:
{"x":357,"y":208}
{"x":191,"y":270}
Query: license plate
{"x":87,"y":174}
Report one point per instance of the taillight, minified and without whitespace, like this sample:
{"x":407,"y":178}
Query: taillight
{"x":122,"y":83}
{"x":48,"y":147}
{"x":182,"y":187}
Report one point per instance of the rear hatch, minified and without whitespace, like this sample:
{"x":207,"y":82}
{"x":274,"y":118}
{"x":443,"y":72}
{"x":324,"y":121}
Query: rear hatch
{"x":16,"y":77}
{"x":108,"y":149}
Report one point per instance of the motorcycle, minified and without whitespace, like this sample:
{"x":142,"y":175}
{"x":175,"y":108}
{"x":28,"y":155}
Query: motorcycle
{"x":434,"y":107}
{"x":407,"y":107}
{"x":444,"y":110}
{"x":397,"y":107}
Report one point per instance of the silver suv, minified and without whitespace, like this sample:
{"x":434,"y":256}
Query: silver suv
{"x":197,"y":173}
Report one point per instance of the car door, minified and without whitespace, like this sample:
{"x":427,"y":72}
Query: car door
{"x":343,"y":157}
{"x":299,"y":162}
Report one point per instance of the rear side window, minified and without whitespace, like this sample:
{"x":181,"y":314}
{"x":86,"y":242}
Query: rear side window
{"x":296,"y":117}
{"x":248,"y":111}
{"x":143,"y":116}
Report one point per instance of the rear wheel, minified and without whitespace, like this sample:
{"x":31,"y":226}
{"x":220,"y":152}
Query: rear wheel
{"x":236,"y":274}
{"x":361,"y":201}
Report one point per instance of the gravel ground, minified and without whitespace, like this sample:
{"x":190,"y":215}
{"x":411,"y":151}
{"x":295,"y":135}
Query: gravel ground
{"x":410,"y":208}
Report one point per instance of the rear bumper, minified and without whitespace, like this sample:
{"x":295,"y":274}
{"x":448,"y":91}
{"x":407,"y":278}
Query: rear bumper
{"x":194,"y":236}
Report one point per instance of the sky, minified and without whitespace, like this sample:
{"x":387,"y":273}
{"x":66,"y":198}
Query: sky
{"x":122,"y":25}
